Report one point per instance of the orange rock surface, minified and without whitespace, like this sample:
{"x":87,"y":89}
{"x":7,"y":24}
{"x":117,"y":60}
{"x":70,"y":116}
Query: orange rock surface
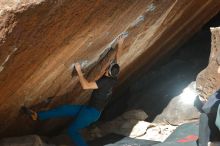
{"x":40,"y":40}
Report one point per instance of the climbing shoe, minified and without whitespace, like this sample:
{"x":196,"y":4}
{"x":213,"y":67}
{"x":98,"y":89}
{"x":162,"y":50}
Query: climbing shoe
{"x":32,"y":114}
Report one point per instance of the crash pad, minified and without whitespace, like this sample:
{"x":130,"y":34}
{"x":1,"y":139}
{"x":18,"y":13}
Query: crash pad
{"x":184,"y":135}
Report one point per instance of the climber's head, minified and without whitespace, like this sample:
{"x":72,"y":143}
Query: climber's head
{"x":113,"y":70}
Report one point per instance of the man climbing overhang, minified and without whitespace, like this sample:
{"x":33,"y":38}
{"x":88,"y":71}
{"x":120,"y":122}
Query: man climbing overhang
{"x":86,"y":114}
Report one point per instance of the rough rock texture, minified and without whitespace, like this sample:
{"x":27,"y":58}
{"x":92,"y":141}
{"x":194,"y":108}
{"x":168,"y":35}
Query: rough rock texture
{"x":30,"y":140}
{"x":181,"y":108}
{"x":208,"y":80}
{"x":158,"y":133}
{"x":130,"y":124}
{"x":41,"y":39}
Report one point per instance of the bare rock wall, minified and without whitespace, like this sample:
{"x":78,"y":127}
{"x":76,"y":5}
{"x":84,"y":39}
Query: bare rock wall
{"x":40,"y":40}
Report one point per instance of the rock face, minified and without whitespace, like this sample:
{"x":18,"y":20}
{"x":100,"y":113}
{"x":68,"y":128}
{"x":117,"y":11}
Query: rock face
{"x":31,"y":140}
{"x":130,"y":124}
{"x":41,"y":39}
{"x":181,"y":108}
{"x":208,"y":81}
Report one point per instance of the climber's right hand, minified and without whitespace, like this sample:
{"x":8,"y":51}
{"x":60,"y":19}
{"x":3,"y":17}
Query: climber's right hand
{"x":77,"y":66}
{"x":76,"y":69}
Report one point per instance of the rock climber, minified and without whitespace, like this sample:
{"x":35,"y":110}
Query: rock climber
{"x":85,"y":114}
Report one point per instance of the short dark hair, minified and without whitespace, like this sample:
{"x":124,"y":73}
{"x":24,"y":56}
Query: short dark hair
{"x":114,"y":70}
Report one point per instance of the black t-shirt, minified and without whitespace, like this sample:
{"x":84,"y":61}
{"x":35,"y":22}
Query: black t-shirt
{"x":100,"y":96}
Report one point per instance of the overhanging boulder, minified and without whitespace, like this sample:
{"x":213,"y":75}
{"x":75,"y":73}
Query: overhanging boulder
{"x":40,"y":40}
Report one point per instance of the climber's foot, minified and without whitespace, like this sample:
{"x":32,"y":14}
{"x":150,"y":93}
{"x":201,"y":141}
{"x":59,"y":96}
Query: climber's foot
{"x":32,"y":114}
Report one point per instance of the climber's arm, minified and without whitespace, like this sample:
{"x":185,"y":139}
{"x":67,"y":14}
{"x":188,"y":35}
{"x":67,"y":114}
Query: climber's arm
{"x":112,"y":55}
{"x":85,"y":84}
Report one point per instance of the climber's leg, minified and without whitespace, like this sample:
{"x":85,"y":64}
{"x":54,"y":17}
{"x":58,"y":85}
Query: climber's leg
{"x":86,"y":116}
{"x":61,"y":111}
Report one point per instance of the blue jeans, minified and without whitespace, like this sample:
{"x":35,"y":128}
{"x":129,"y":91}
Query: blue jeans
{"x":84,"y":115}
